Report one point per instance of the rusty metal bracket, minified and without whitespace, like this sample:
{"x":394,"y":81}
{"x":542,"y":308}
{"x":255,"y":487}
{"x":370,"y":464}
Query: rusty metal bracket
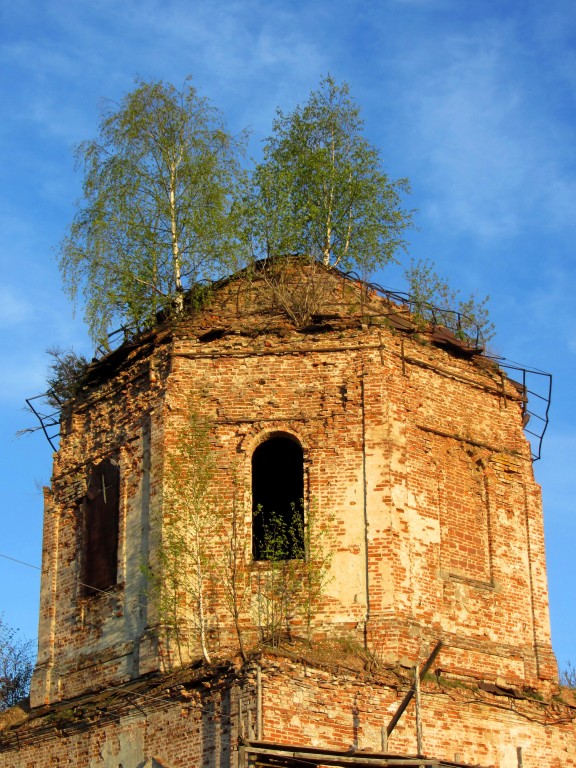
{"x":49,"y":422}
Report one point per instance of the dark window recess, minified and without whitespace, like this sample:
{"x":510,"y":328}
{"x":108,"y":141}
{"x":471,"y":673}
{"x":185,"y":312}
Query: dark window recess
{"x":100,"y":530}
{"x":212,"y":335}
{"x":277,"y":500}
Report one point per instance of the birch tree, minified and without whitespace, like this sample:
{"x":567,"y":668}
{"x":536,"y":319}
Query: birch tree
{"x":321,"y":188}
{"x":190,"y":520}
{"x":156,"y":214}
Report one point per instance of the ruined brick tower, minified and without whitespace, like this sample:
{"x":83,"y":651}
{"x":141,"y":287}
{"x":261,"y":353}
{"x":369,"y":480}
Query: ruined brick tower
{"x":332,"y":405}
{"x":409,"y":442}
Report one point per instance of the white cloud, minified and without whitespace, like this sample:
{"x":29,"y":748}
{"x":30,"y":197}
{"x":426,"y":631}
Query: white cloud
{"x":497,"y":162}
{"x":257,"y":48}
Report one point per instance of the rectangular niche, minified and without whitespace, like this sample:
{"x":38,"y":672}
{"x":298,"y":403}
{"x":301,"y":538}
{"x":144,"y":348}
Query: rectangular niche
{"x":464,"y":515}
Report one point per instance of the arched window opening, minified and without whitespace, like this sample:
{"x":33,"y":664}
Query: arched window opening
{"x":277,"y":500}
{"x":101,"y":510}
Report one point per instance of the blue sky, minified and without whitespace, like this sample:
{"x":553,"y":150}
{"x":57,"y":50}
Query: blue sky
{"x":473,"y":100}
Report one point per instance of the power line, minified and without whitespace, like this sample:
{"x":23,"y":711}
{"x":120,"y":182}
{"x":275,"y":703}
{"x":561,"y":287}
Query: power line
{"x":37,"y":568}
{"x":14,"y":560}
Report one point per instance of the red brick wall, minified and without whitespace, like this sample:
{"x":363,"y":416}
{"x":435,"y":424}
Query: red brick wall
{"x":414,"y":458}
{"x":341,"y":710}
{"x":331,"y":705}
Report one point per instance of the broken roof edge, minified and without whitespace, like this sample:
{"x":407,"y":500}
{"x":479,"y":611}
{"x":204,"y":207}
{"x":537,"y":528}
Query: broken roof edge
{"x":397,"y":310}
{"x":19,"y":725}
{"x":402,"y":313}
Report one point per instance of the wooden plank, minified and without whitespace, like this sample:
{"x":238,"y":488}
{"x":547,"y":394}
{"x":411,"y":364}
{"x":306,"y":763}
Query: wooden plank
{"x":320,"y":757}
{"x":408,"y":698}
{"x":419,"y":747}
{"x":277,"y":757}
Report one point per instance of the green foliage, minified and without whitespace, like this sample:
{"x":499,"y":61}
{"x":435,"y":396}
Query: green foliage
{"x":321,"y":190}
{"x":190,"y":518}
{"x":157,"y":210}
{"x":167,"y":208}
{"x":66,"y":372}
{"x":16,"y":667}
{"x":429,"y":292}
{"x":291,"y":579}
{"x":278,"y":578}
{"x":318,"y":545}
{"x":235,"y":541}
{"x":196,"y":525}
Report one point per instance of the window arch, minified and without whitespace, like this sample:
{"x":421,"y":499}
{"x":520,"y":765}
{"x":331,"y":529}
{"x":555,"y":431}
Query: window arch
{"x":278,"y":499}
{"x":100,"y":535}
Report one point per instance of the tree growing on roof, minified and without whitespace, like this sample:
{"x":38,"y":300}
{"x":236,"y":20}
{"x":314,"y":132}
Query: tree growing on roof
{"x":428,"y":292}
{"x":66,"y":372}
{"x":166,"y":204}
{"x":321,"y":188}
{"x":157,"y":209}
